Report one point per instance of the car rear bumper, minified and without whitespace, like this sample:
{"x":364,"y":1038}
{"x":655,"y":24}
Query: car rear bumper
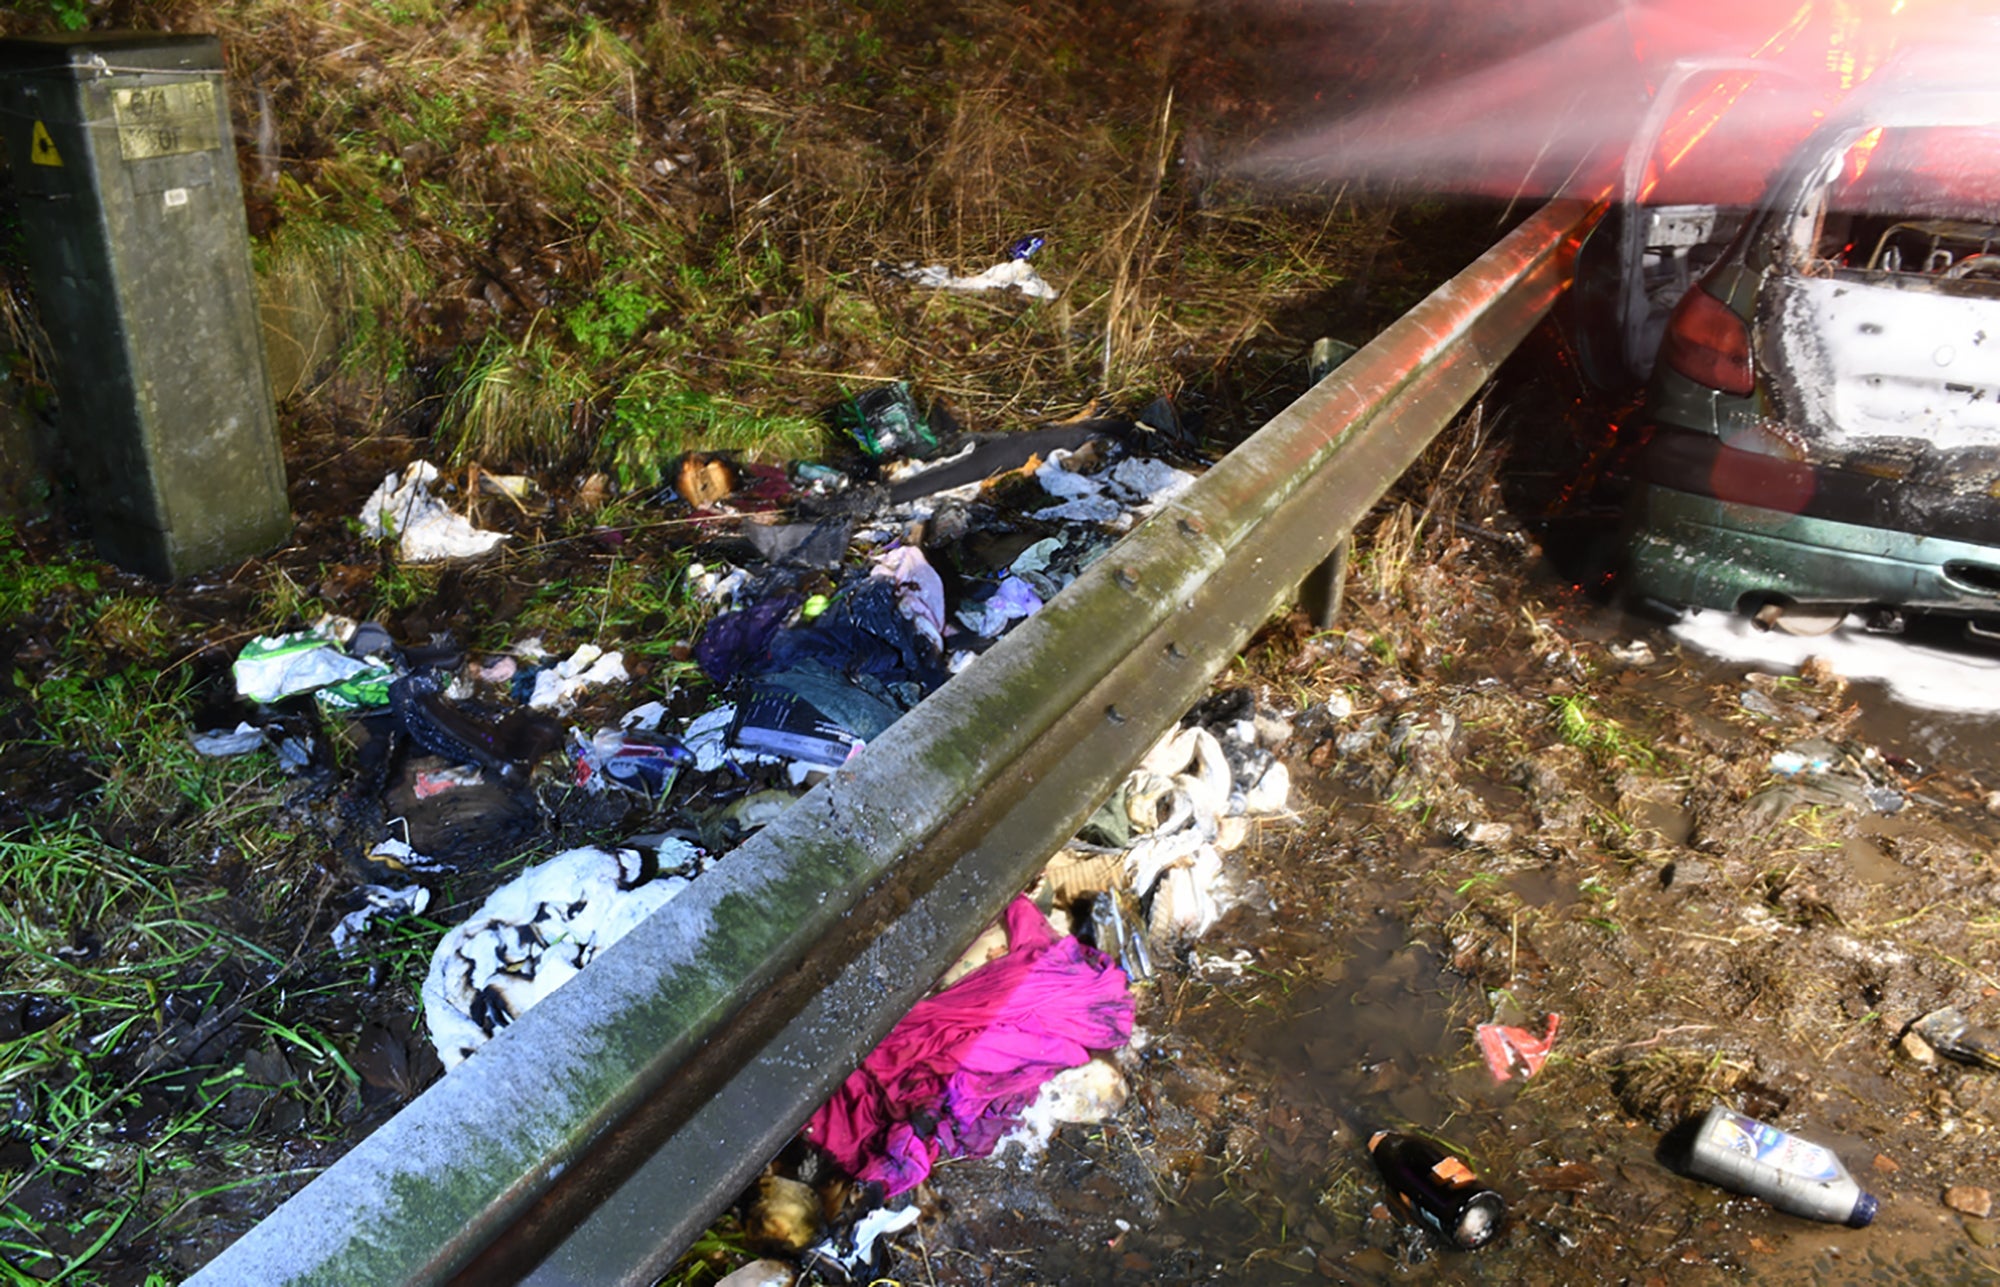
{"x":1694,"y":550}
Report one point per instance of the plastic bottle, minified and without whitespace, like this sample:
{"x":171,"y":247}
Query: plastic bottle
{"x":1437,"y":1189}
{"x":1791,"y":1174}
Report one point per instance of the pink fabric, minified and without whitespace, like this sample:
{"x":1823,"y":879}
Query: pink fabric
{"x":954,"y":1075}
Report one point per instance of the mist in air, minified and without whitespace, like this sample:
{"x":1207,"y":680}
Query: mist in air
{"x":1529,"y":100}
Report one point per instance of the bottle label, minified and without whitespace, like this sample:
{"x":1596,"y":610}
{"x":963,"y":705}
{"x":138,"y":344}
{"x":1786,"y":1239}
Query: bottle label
{"x":1452,"y":1173}
{"x":1773,"y":1147}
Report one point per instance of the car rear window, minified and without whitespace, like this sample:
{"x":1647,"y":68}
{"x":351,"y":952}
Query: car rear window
{"x":1916,"y":201}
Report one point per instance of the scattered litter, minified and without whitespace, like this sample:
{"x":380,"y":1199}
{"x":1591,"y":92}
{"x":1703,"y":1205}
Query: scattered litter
{"x":1128,"y":490}
{"x":273,"y":667}
{"x":1791,"y":1174}
{"x":1011,"y":600}
{"x":887,"y":424}
{"x":1516,"y":1051}
{"x":518,"y":488}
{"x":1175,"y":800}
{"x":1792,"y":763}
{"x":504,"y":747}
{"x":1434,"y":1188}
{"x":397,"y":855}
{"x":716,"y":585}
{"x":782,"y":725}
{"x":761,"y":1273}
{"x":643,"y":718}
{"x":1081,"y":1096}
{"x":498,"y":671}
{"x":1636,"y":653}
{"x":952,"y":1077}
{"x":425,"y":529}
{"x":783,"y":1215}
{"x":381,"y":903}
{"x":222,"y":744}
{"x":531,"y":936}
{"x":558,"y":687}
{"x":822,"y":545}
{"x":1210,"y":965}
{"x":435,"y":782}
{"x":1951,"y":1034}
{"x":853,"y":1253}
{"x":633,"y":761}
{"x":1015,"y":274}
{"x":919,"y":589}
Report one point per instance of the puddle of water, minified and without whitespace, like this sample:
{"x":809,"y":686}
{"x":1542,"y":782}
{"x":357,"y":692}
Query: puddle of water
{"x":1540,"y":887}
{"x":1870,"y":864}
{"x":1362,"y":1045}
{"x":1673,"y":823}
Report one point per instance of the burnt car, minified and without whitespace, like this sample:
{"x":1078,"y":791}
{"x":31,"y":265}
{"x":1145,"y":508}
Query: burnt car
{"x":1824,"y":403}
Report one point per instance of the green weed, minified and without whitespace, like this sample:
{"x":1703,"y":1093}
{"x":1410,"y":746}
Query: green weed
{"x":1600,"y":736}
{"x":607,"y":323}
{"x":656,"y":416}
{"x":518,"y":401}
{"x":26,"y":586}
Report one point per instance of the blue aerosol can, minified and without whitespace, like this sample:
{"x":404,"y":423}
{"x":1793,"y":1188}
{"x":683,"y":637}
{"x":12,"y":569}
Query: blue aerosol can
{"x":1791,"y":1174}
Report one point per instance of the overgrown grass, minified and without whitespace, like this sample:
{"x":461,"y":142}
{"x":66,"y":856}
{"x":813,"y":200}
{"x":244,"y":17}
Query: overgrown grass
{"x":116,"y":979}
{"x":575,"y":236}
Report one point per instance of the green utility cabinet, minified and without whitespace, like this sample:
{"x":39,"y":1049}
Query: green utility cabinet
{"x":124,"y":165}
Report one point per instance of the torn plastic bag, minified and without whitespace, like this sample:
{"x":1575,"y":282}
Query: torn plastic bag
{"x":1011,"y":274}
{"x":861,"y":704}
{"x":273,"y":667}
{"x":505,"y":747}
{"x":1010,"y":601}
{"x":821,"y":545}
{"x":223,"y":744}
{"x":886,"y":423}
{"x":423,"y":527}
{"x":864,"y":632}
{"x":919,"y":589}
{"x":379,"y":902}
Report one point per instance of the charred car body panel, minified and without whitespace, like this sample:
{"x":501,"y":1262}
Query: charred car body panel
{"x":1826,"y":405}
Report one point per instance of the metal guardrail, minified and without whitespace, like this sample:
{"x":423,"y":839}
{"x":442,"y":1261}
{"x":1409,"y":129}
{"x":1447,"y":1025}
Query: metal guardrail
{"x":597,"y":1136}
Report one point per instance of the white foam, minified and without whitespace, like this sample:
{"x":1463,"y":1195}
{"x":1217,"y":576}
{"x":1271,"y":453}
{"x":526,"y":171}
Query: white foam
{"x":1933,"y":678}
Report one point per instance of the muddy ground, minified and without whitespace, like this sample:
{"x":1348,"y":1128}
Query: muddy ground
{"x":1502,"y":808}
{"x":1513,"y":800}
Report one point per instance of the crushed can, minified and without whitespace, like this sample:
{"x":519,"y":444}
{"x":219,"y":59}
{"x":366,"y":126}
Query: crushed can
{"x":1433,"y":1187}
{"x":1954,"y":1036}
{"x":1794,"y":1175}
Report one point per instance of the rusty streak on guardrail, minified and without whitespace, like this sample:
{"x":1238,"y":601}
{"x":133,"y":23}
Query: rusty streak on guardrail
{"x":595,"y":1138}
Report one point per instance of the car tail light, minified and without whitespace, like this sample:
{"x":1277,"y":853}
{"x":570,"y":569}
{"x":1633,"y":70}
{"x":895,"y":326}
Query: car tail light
{"x":1708,"y":343}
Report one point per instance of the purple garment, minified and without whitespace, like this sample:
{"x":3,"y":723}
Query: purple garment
{"x":738,"y":643}
{"x":954,"y":1075}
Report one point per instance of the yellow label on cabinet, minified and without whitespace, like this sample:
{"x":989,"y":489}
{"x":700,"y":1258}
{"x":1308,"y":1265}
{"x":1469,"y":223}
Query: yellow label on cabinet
{"x":43,"y":150}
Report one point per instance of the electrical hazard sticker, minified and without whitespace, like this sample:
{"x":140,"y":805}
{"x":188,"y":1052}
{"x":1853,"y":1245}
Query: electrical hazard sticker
{"x":43,"y":148}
